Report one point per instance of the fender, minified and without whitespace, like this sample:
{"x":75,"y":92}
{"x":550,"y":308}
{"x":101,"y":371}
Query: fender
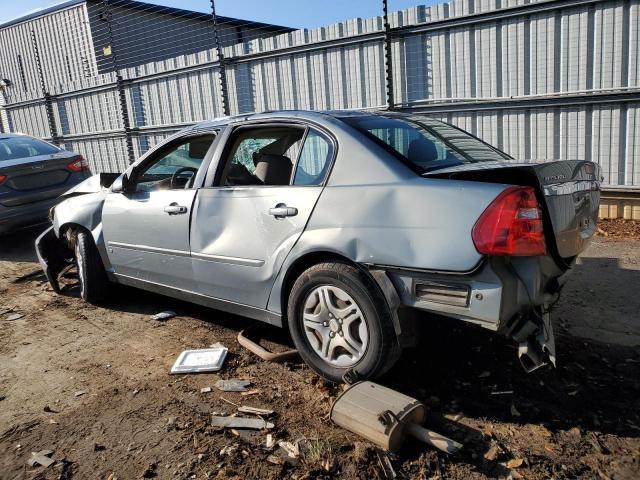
{"x":84,"y":210}
{"x":79,"y":206}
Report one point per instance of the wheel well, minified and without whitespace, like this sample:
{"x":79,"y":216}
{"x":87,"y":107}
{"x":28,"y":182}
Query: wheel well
{"x":310,"y":259}
{"x":299,"y":266}
{"x":67,"y":233}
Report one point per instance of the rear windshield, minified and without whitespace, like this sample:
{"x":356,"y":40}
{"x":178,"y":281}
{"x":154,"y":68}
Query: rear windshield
{"x":423,"y":143}
{"x":12,"y":148}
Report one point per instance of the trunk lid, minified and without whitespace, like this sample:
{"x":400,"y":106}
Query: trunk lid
{"x":35,"y":178}
{"x":568,"y":191}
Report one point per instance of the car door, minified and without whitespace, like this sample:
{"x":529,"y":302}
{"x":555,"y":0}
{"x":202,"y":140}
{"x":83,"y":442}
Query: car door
{"x":146,"y":226}
{"x":268,"y":181}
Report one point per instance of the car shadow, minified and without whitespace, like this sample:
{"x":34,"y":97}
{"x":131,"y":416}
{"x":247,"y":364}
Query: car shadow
{"x":19,"y":246}
{"x":133,"y":300}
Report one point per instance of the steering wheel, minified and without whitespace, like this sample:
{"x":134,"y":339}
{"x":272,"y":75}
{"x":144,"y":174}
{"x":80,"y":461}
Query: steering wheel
{"x":178,"y":172}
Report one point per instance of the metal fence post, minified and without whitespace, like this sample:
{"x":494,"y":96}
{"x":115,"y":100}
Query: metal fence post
{"x":125,"y":117}
{"x":221,"y":61}
{"x":48,"y":99}
{"x":120,"y":84}
{"x":4,"y":118}
{"x":388,"y":57}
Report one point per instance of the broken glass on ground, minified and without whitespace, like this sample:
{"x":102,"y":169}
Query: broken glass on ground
{"x":240,"y":422}
{"x":232,"y":385}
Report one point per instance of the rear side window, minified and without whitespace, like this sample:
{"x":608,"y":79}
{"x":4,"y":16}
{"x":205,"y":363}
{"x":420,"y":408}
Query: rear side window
{"x":263,"y":156}
{"x":314,"y":160}
{"x":12,"y":148}
{"x":276,"y":156}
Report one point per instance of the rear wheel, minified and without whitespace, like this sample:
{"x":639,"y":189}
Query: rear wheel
{"x":94,"y":284}
{"x":339,"y":320}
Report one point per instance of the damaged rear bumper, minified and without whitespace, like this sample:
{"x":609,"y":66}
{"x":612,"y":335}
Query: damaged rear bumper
{"x":490,"y":296}
{"x":52,"y":255}
{"x":536,"y":343}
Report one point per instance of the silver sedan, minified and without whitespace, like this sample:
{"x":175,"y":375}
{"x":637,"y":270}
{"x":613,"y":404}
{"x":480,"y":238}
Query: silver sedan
{"x":339,"y":226}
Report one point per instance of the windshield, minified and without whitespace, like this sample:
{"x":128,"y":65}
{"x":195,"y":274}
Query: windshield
{"x":423,"y":143}
{"x":12,"y":148}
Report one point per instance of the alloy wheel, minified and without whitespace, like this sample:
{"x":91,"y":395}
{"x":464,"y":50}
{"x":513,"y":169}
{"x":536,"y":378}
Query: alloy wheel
{"x":335,"y":326}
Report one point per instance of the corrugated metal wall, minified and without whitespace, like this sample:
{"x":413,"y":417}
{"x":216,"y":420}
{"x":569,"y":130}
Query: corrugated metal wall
{"x":540,"y":80}
{"x":148,"y":33}
{"x":66,"y":52}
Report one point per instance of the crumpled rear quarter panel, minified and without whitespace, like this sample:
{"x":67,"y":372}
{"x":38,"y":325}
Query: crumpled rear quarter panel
{"x":374,"y":209}
{"x":417,"y":223}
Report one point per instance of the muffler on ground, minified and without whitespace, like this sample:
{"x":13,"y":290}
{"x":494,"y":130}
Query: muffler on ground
{"x":385,"y":417}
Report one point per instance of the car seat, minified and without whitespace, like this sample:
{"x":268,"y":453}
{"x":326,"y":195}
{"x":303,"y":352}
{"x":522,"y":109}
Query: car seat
{"x":274,"y":169}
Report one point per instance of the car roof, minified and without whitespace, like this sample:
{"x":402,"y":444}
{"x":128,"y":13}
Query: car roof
{"x":13,"y":135}
{"x":312,"y":115}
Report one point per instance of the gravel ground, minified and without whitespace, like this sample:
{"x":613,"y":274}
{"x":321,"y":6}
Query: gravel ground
{"x":92,"y":385}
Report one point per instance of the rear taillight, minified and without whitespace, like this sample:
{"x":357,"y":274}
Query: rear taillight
{"x":79,"y":164}
{"x":511,"y":225}
{"x":2,"y":178}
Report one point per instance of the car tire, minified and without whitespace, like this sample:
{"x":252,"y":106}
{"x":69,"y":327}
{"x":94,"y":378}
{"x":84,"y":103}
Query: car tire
{"x":94,"y":284}
{"x":339,"y":320}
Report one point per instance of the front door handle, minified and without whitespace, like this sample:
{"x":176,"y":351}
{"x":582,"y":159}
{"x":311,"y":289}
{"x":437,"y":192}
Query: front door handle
{"x":281,"y":210}
{"x":175,"y":209}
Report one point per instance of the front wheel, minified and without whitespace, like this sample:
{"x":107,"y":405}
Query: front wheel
{"x":94,"y":284}
{"x":339,"y":321}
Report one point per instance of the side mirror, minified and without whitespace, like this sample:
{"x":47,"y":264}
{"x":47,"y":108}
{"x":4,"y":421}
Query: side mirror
{"x":107,"y":179}
{"x":122,"y":184}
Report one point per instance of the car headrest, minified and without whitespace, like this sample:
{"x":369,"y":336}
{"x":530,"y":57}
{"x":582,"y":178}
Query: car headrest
{"x":422,"y":150}
{"x":238,"y":174}
{"x":274,"y":169}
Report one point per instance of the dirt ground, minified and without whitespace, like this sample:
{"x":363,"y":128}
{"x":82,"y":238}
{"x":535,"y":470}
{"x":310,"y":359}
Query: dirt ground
{"x":619,"y":228}
{"x":134,"y":420}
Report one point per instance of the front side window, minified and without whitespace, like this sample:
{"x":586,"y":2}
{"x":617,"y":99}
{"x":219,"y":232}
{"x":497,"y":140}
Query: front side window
{"x":13,"y":148}
{"x":176,"y":167}
{"x":425,"y":144}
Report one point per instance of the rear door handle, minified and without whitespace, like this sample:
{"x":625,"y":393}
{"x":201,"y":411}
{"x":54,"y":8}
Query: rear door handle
{"x":175,"y":209}
{"x":281,"y":210}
